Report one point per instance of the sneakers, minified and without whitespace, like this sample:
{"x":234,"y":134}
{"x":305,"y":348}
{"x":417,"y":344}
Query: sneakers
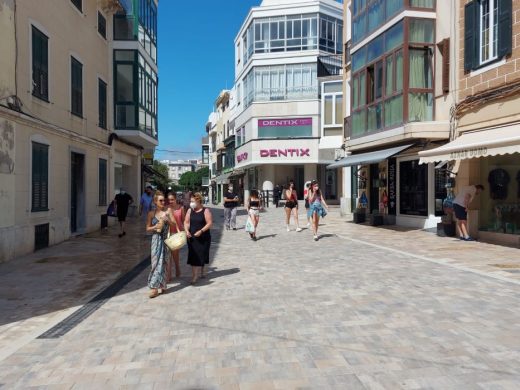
{"x":288,"y":229}
{"x":315,"y":238}
{"x":299,"y":229}
{"x":308,"y":225}
{"x":469,"y":239}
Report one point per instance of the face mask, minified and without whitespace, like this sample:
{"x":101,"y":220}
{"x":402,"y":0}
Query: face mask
{"x":193,"y":205}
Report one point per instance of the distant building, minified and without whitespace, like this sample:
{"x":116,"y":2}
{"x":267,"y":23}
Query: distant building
{"x":177,"y":168}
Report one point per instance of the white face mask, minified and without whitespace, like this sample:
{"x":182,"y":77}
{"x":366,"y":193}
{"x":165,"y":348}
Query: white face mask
{"x":193,"y":205}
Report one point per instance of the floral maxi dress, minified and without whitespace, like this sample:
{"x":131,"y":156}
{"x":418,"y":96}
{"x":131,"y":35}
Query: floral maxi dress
{"x":159,"y":256}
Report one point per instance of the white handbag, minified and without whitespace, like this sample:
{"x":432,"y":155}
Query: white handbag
{"x":176,"y":241}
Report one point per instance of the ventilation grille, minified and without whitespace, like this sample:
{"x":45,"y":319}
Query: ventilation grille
{"x":41,"y":236}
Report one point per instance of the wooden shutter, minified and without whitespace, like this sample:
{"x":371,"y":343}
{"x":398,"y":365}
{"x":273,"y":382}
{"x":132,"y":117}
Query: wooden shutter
{"x":102,"y":106}
{"x":445,"y":51}
{"x":102,"y":182}
{"x":76,"y":87}
{"x":40,"y":177}
{"x":471,"y":35}
{"x":40,"y":61}
{"x":505,"y":28}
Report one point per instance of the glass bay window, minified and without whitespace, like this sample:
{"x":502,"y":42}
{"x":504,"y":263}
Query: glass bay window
{"x":380,"y":97}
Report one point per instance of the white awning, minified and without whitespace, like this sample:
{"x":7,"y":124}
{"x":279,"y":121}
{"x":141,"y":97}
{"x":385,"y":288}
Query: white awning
{"x":367,"y":158}
{"x":223,"y":179}
{"x":484,"y":143}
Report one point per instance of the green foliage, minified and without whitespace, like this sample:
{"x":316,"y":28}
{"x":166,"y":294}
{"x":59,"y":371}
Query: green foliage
{"x":162,"y":183}
{"x":192,"y":181}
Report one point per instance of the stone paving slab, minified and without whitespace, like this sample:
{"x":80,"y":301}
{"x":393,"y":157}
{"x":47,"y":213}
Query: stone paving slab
{"x":286,"y":312}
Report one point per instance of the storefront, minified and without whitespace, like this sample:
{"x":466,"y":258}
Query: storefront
{"x":489,"y":157}
{"x":392,"y":184}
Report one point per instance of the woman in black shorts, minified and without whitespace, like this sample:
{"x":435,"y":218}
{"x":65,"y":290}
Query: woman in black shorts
{"x":291,"y":206}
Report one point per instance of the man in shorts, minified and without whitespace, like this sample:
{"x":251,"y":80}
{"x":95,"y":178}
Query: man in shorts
{"x":460,"y":208}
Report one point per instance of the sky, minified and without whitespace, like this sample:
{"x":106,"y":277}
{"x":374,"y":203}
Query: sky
{"x":196,"y":61}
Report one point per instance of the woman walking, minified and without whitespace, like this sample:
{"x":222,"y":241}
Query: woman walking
{"x":254,"y":205}
{"x":291,"y":207}
{"x":158,"y":222}
{"x":317,"y":206}
{"x":178,"y":213}
{"x":197,"y":224}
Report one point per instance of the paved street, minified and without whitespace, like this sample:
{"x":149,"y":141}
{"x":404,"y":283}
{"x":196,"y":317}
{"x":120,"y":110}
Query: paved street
{"x":363,"y":308}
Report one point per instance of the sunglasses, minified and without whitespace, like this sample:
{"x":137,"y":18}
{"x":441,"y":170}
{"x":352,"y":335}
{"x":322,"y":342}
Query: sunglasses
{"x":160,"y":200}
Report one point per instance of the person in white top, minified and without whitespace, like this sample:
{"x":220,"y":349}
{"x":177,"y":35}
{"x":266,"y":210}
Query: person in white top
{"x":460,"y":207}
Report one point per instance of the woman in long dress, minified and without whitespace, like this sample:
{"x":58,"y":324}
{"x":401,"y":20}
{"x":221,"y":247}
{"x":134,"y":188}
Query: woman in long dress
{"x":197,"y":225}
{"x":178,"y":213}
{"x":158,"y":222}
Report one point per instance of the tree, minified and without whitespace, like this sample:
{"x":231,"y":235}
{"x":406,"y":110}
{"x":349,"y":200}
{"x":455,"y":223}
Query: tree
{"x":192,"y":181}
{"x":161,"y":180}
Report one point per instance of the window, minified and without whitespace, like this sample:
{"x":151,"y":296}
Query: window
{"x":332,"y":108}
{"x":102,"y":25}
{"x":40,"y":64}
{"x":487,"y":32}
{"x":40,"y":177}
{"x":102,"y":182}
{"x":102,"y":104}
{"x":413,"y":185}
{"x":76,"y":87}
{"x":78,"y":4}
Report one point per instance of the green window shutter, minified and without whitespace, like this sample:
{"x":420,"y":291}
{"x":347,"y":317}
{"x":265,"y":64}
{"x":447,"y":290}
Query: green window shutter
{"x":471,"y":35}
{"x":40,"y":177}
{"x":505,"y":28}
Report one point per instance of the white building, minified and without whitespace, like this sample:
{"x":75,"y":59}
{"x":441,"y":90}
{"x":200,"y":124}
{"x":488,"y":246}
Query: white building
{"x":277,"y":122}
{"x":177,"y":168}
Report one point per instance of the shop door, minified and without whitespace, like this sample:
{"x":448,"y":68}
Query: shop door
{"x":299,"y":181}
{"x":77,"y":191}
{"x":374,"y":188}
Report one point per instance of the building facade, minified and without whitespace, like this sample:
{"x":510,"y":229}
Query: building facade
{"x":277,"y":119}
{"x":65,"y":150}
{"x":485,"y":148}
{"x":177,"y":168}
{"x":401,"y":98}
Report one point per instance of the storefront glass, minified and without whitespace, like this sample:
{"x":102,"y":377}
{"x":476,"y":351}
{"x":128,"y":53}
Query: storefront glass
{"x":500,"y":202}
{"x":413,"y":186}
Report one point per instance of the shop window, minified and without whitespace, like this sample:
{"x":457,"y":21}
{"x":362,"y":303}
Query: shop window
{"x":413,"y":188}
{"x":440,"y":191}
{"x":499,"y":210}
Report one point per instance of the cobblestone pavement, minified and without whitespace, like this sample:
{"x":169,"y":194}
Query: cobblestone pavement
{"x":355,"y":310}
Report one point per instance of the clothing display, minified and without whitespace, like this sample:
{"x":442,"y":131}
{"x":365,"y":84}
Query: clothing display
{"x":498,"y":180}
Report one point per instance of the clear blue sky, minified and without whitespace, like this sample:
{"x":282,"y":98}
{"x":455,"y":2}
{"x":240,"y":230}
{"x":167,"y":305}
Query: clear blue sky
{"x":196,"y":57}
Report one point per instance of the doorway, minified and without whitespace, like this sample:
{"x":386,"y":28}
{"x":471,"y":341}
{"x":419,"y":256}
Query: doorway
{"x":77,"y":192}
{"x":299,"y":181}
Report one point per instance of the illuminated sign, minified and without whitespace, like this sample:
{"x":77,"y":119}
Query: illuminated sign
{"x":242,"y":157}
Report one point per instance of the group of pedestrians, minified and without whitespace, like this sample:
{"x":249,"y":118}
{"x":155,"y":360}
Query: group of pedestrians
{"x":170,"y":218}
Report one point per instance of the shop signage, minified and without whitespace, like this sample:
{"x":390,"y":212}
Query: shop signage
{"x":242,"y":157}
{"x":285,"y":122}
{"x":302,"y":152}
{"x":468,"y":153}
{"x":392,"y":186}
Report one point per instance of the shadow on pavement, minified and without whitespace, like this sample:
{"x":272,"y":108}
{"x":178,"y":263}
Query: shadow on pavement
{"x":76,"y":271}
{"x":266,"y":236}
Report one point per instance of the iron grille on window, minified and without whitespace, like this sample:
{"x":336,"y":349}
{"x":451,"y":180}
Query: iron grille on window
{"x":41,"y":236}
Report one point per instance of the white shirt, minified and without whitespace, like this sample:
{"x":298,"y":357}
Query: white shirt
{"x":461,"y":196}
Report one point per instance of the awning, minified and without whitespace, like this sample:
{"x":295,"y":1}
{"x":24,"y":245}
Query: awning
{"x":222,"y":179}
{"x":367,"y":158}
{"x":237,"y":172}
{"x":484,"y":143}
{"x":151,"y":172}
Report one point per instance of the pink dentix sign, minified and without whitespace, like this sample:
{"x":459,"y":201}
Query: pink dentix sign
{"x":242,"y":157}
{"x":301,"y":152}
{"x":285,"y":122}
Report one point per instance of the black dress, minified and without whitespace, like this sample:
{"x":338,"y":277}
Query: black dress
{"x":198,"y":247}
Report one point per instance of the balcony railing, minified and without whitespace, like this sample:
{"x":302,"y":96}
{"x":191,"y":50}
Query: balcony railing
{"x":330,"y":65}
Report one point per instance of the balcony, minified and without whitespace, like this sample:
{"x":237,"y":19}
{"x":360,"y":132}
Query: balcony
{"x":331,"y":65}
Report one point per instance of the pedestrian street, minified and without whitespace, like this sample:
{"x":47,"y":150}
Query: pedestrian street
{"x":286,"y":312}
